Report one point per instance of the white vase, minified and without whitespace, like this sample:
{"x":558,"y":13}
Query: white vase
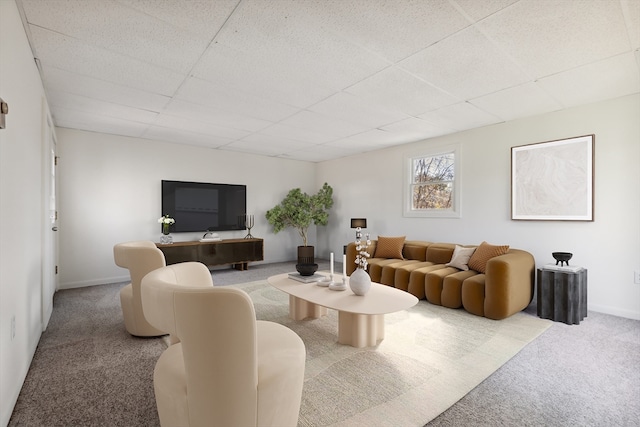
{"x":360,"y":282}
{"x":166,"y":239}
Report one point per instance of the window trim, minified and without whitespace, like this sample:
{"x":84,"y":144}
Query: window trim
{"x":455,"y":211}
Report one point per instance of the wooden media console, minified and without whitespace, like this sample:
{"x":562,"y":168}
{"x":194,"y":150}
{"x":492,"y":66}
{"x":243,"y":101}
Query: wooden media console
{"x":236,"y":252}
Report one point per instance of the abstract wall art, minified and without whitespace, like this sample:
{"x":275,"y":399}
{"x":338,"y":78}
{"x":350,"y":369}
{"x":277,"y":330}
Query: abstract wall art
{"x":553,"y":181}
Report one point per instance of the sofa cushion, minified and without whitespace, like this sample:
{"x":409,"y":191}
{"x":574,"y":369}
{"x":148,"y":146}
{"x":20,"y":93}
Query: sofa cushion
{"x":460,"y":258}
{"x":417,"y":250}
{"x":483,"y":254}
{"x":389,"y":247}
{"x":440,"y":253}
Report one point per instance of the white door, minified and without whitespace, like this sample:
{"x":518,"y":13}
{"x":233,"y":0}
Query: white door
{"x":50,"y":235}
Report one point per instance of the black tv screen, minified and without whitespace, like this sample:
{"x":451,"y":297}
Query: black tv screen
{"x":201,"y":206}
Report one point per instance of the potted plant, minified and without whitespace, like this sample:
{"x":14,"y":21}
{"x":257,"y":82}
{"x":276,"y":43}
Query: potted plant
{"x":298,"y":210}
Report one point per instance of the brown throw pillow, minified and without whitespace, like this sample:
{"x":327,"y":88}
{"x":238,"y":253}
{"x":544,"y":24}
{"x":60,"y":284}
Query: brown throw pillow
{"x":484,"y":253}
{"x":389,"y":247}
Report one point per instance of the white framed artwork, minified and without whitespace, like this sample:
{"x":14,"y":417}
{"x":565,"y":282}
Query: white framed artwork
{"x":553,"y":181}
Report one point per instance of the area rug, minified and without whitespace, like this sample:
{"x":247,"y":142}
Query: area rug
{"x":430,"y":358}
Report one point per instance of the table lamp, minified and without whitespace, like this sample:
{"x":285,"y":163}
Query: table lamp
{"x":358,"y":224}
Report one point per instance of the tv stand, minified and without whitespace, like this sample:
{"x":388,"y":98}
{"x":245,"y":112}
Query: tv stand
{"x":236,"y":252}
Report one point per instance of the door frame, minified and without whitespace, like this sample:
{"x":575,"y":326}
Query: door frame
{"x":49,"y":282}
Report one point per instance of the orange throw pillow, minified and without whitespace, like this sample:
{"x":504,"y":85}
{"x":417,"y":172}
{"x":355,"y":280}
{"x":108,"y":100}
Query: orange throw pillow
{"x":389,"y":247}
{"x":483,"y":254}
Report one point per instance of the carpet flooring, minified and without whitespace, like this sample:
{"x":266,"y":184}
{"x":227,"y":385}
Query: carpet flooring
{"x":88,"y":371}
{"x":430,"y":358}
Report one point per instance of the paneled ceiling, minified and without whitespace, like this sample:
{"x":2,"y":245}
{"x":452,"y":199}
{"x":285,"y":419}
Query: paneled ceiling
{"x":315,"y":80}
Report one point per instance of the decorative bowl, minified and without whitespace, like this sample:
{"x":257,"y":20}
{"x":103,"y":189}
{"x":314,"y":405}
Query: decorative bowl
{"x":307,"y":269}
{"x":562,"y":257}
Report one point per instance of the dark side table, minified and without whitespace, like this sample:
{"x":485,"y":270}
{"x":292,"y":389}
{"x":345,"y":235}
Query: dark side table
{"x":562,"y":294}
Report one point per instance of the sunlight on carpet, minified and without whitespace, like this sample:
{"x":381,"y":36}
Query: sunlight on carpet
{"x":430,"y":358}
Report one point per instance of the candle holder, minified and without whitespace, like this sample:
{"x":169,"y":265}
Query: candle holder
{"x":339,"y":286}
{"x":328,"y":281}
{"x":248,"y":224}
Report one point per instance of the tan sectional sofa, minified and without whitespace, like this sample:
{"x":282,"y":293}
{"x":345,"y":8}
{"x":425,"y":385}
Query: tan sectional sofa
{"x":505,"y":288}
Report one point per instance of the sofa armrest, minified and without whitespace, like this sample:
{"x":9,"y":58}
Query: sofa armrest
{"x":509,"y":284}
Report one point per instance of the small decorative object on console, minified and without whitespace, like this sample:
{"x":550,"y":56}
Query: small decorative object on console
{"x":248,"y":224}
{"x":562,"y":257}
{"x":210,"y":236}
{"x":359,"y":281}
{"x":166,"y":221}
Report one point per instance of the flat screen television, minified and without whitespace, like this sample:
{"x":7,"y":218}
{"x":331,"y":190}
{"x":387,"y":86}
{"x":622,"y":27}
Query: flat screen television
{"x":201,"y":206}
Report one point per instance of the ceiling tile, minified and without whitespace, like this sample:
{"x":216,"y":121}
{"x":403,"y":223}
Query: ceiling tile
{"x":71,"y":101}
{"x":298,"y":134}
{"x":181,"y":136}
{"x":466,"y":65}
{"x":262,"y":75}
{"x":414,"y":129}
{"x":563,"y":35}
{"x":478,"y":10}
{"x":323,"y":125}
{"x":196,"y":126}
{"x":613,"y":77}
{"x":238,"y":101}
{"x":201,"y":18}
{"x":396,"y":88}
{"x":393,"y":29}
{"x":117,"y":28}
{"x":351,"y":108}
{"x":264,"y":41}
{"x":370,"y":140}
{"x":215,"y":116}
{"x":460,"y":117}
{"x":65,"y":53}
{"x":320,"y":153}
{"x":74,"y":119}
{"x":266,"y":145}
{"x":631,"y":11}
{"x":531,"y":100}
{"x":70,"y":82}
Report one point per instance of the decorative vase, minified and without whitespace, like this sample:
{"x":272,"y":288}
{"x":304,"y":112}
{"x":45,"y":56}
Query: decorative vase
{"x":306,"y":265}
{"x":166,"y":238}
{"x":360,"y":282}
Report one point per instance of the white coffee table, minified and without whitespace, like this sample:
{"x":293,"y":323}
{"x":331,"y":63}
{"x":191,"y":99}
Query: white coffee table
{"x":360,"y":318}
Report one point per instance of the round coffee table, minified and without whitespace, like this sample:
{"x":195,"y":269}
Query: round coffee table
{"x":360,"y":318}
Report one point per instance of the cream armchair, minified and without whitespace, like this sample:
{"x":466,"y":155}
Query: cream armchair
{"x":228,"y":369}
{"x":139,"y":258}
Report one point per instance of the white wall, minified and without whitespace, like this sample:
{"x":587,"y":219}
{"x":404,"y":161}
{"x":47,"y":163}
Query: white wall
{"x":21,"y":207}
{"x":110,"y":192}
{"x":609,"y":247}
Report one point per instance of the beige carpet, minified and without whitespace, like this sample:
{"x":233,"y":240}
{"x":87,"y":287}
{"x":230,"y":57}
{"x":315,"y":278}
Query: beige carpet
{"x":430,"y":358}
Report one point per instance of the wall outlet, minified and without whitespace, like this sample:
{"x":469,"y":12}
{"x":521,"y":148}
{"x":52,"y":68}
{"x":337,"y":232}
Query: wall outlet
{"x":636,"y":277}
{"x":13,"y":327}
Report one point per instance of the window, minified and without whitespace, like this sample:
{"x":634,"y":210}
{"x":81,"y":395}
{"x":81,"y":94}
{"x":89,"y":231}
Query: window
{"x":432,"y":184}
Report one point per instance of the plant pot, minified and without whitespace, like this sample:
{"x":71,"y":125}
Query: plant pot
{"x":306,"y":265}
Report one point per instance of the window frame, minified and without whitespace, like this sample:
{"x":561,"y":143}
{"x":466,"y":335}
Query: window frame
{"x":409,"y":158}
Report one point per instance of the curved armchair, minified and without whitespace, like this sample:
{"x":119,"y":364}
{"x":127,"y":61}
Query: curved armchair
{"x":228,"y":369}
{"x":139,"y":258}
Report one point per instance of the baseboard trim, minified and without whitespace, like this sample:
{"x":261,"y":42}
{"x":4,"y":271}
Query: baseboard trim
{"x":95,"y":282}
{"x":629,"y":314}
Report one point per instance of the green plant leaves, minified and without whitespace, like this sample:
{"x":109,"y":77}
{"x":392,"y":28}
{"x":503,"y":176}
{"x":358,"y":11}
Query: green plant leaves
{"x":299,"y":209}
